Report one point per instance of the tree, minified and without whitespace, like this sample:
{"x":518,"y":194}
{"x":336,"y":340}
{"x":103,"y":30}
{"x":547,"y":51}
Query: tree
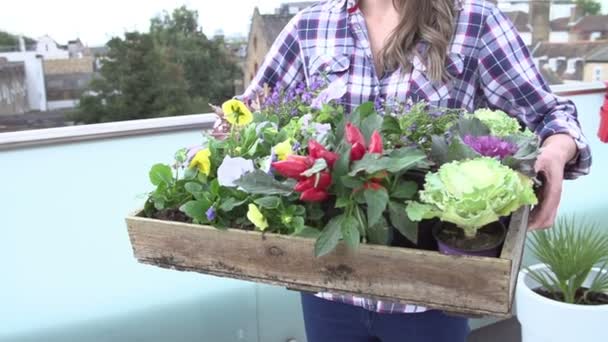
{"x":11,"y":42}
{"x":589,"y":7}
{"x":136,"y":82}
{"x":208,"y":69}
{"x":172,"y":70}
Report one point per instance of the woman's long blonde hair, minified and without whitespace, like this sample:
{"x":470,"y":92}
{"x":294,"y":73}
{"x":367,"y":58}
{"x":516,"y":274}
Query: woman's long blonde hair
{"x":431,"y":21}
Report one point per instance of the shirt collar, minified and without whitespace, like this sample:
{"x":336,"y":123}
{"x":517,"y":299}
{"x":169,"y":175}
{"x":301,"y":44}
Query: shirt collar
{"x":350,"y":5}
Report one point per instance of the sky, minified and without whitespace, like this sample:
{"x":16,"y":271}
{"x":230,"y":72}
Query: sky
{"x":95,"y":22}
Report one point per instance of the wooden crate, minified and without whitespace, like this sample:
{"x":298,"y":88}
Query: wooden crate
{"x":462,"y":284}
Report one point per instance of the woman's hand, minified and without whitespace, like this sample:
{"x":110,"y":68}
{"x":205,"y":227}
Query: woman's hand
{"x":557,"y":151}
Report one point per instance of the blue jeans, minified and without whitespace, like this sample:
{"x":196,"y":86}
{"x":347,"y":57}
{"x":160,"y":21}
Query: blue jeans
{"x":327,"y":321}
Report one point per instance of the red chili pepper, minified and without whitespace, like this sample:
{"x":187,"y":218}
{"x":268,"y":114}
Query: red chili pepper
{"x":292,"y":167}
{"x":314,"y":195}
{"x":354,"y":135}
{"x":316,"y":150}
{"x":379,"y":176}
{"x":309,"y":183}
{"x":375,"y":143}
{"x":357,"y":152}
{"x":373,"y":186}
{"x":324,"y":180}
{"x":305,"y":184}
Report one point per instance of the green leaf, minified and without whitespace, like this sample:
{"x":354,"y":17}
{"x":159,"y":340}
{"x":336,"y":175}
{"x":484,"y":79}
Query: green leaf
{"x":390,"y":125}
{"x":379,"y":233}
{"x":458,"y":150}
{"x":398,"y":161}
{"x":189,"y":174}
{"x":376,"y":201}
{"x":298,"y":210}
{"x":351,"y":182}
{"x":362,"y":112}
{"x":370,"y":124}
{"x":361,"y":220}
{"x":195,"y":189}
{"x":270,"y":202}
{"x":181,"y":155}
{"x":417,"y":211}
{"x":260,"y":183}
{"x":196,"y":210}
{"x":404,"y":190}
{"x":307,"y":232}
{"x":342,"y":202}
{"x":330,"y":236}
{"x":297,"y":223}
{"x":471,"y":126}
{"x":319,"y":165}
{"x":350,"y":232}
{"x":439,"y":150}
{"x":342,"y":164}
{"x":231,"y":203}
{"x":401,"y":222}
{"x":161,"y":173}
{"x":215,"y":188}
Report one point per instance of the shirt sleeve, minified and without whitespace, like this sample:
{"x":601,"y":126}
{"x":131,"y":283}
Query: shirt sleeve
{"x":511,"y":82}
{"x":282,"y":67}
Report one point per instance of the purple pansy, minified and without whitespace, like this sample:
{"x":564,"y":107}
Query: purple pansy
{"x":210,"y":214}
{"x":490,"y":146}
{"x":334,"y":91}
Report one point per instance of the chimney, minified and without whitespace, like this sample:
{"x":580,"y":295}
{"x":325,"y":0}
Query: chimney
{"x":576,"y":13}
{"x":539,"y":20}
{"x":22,"y":44}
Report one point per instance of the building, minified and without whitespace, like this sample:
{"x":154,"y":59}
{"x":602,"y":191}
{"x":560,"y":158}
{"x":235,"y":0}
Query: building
{"x":48,"y":48}
{"x":13,"y":88}
{"x":66,"y":80}
{"x":558,"y":8}
{"x":591,"y":27}
{"x":582,"y":61}
{"x":265,"y":28}
{"x":596,"y":66}
{"x":34,"y":77}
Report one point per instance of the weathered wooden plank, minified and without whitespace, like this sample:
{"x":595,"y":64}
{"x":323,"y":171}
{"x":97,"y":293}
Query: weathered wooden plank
{"x":513,"y":248}
{"x":455,"y":283}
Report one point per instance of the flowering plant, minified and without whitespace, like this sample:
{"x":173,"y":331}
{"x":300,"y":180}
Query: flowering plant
{"x":298,"y":165}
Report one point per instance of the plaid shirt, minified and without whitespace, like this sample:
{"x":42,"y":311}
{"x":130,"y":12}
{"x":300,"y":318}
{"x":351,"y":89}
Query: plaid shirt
{"x":490,"y":64}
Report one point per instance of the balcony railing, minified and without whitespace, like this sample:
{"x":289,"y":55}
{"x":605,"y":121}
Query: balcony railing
{"x":68,"y":269}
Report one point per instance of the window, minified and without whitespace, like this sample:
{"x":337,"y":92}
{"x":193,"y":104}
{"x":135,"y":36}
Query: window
{"x":597,"y":73}
{"x":255,"y":68}
{"x":255,"y":43}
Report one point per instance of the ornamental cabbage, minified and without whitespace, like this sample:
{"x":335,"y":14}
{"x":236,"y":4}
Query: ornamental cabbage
{"x":472,"y":194}
{"x":499,"y":122}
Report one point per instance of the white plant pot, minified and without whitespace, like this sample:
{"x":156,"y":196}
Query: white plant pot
{"x":546,"y":320}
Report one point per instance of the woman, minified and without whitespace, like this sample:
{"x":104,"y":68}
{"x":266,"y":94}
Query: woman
{"x":457,"y":54}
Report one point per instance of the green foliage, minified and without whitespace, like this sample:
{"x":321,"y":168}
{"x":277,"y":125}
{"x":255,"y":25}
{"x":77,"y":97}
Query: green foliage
{"x":418,"y":125}
{"x":589,"y":7}
{"x":172,"y":70}
{"x":570,"y":250}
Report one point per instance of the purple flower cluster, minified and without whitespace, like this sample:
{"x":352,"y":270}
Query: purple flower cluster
{"x":281,"y":97}
{"x":490,"y":146}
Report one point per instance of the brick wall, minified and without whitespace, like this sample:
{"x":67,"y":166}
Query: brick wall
{"x":68,"y":66}
{"x":257,"y":48}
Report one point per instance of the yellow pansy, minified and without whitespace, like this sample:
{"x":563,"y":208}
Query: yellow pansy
{"x":201,"y":161}
{"x":282,"y":150}
{"x":256,"y":217}
{"x":237,"y":113}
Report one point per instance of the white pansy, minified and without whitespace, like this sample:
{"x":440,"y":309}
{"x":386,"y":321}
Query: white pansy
{"x":232,"y":169}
